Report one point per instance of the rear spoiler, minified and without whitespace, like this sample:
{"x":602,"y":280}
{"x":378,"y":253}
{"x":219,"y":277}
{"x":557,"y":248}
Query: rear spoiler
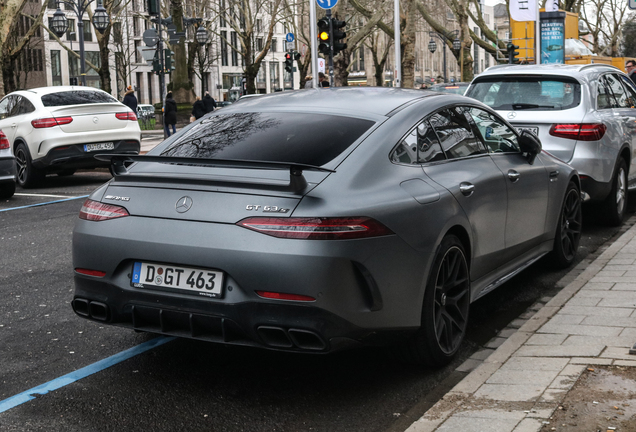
{"x":297,"y":182}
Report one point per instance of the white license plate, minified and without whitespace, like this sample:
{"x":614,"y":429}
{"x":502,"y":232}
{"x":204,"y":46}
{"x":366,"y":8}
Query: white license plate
{"x":99,"y":146}
{"x":534,"y":130}
{"x":205,"y":282}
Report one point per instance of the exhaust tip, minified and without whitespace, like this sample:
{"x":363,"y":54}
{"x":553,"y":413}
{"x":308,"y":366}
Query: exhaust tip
{"x":308,"y":340}
{"x":98,"y":311}
{"x":80,"y":306}
{"x":274,"y":336}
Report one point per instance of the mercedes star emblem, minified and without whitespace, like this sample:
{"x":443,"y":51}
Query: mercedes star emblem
{"x":512,"y":115}
{"x":184,"y":204}
{"x":95,"y":120}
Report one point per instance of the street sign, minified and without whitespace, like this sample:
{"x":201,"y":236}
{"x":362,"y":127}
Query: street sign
{"x":328,"y":4}
{"x":321,"y":65}
{"x":289,"y":46}
{"x":631,"y":4}
{"x":147,"y":53}
{"x":150,"y":37}
{"x":289,"y":37}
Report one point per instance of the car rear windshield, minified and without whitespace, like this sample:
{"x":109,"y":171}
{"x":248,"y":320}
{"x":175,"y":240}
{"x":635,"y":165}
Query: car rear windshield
{"x":76,"y":97}
{"x":539,"y":93}
{"x":305,"y":138}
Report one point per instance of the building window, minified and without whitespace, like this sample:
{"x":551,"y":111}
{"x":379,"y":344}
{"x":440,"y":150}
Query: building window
{"x":259,"y":26}
{"x":259,"y":44}
{"x":234,"y":52}
{"x":222,"y":22}
{"x":138,"y":58}
{"x":273,"y":76}
{"x":71,"y":34}
{"x":273,"y":47}
{"x":92,"y":77}
{"x":88,"y":34}
{"x":56,"y":68}
{"x":118,"y":36}
{"x":224,"y":48}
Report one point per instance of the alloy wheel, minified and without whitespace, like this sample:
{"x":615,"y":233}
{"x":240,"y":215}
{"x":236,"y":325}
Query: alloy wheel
{"x":621,"y":190}
{"x":21,"y":164}
{"x":452,"y":300}
{"x":571,"y":224}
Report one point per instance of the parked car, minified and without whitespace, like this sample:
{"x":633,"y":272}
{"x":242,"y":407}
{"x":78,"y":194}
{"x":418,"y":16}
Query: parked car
{"x":59,"y":129}
{"x":315,"y":221}
{"x":7,"y":168}
{"x":145,"y":111}
{"x":454,"y":88}
{"x":583,"y":114}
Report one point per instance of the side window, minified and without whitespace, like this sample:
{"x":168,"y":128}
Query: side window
{"x":620,"y":96}
{"x":604,"y":98}
{"x":455,"y":133}
{"x":14,"y":106}
{"x":498,"y":137}
{"x":4,"y":108}
{"x":419,"y":146}
{"x":25,"y":106}
{"x":629,"y":89}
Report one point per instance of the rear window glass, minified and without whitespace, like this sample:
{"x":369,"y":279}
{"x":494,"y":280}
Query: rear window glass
{"x":76,"y":97}
{"x":312,"y":139}
{"x":530,"y":93}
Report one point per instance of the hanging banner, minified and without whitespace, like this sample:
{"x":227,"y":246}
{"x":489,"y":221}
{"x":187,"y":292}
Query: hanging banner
{"x":553,"y":37}
{"x":523,"y":10}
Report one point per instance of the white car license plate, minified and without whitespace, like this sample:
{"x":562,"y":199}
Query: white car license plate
{"x":534,"y":130}
{"x":99,"y":146}
{"x":206,"y":282}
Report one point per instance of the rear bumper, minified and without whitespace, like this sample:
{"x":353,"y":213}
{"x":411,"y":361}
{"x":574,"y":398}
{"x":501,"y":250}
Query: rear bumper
{"x":597,"y":191}
{"x":7,"y":169}
{"x":74,"y":156}
{"x":366,"y":291}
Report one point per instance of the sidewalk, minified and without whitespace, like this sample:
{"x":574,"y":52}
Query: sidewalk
{"x":149,"y":139}
{"x":568,"y":368}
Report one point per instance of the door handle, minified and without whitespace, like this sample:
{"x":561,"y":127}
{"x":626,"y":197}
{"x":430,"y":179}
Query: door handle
{"x":466,"y":188}
{"x":14,"y":125}
{"x":513,"y":175}
{"x":554,"y":175}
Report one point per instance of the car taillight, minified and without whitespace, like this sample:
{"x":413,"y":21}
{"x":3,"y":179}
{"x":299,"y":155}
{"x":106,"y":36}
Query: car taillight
{"x":581,"y":132}
{"x":284,"y":296}
{"x":96,"y":211}
{"x":88,"y":272}
{"x":4,"y":141}
{"x":317,"y":228}
{"x":50,"y":122}
{"x":128,"y":115}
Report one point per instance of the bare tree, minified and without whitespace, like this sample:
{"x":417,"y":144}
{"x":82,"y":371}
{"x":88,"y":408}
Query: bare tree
{"x":605,"y":20}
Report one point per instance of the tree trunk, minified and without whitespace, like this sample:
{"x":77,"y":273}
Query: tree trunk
{"x":180,"y":84}
{"x":104,"y":61}
{"x":407,"y":42}
{"x":341,"y":68}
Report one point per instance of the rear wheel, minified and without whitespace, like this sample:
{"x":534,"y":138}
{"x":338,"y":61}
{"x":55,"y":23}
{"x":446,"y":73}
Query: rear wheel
{"x":568,"y":232}
{"x":27,"y":176}
{"x":445,"y":309}
{"x":7,"y":190}
{"x":614,"y":207}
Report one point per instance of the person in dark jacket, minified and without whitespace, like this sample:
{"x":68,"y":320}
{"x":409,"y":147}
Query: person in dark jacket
{"x":170,"y":114}
{"x":630,"y":68}
{"x":209,"y":102}
{"x":130,"y":100}
{"x":198,"y":109}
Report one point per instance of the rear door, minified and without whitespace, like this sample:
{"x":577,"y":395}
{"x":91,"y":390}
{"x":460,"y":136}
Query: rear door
{"x":477,"y":184}
{"x":8,"y":124}
{"x":527,"y":185}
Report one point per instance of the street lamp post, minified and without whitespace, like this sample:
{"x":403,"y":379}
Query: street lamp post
{"x":59,"y":24}
{"x":450,"y":36}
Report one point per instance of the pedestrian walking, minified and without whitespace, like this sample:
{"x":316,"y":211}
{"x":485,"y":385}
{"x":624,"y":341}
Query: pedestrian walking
{"x":198,"y":109}
{"x":630,"y":67}
{"x":170,"y":114}
{"x":130,"y":100}
{"x":322,"y":80}
{"x":209,"y":102}
{"x":308,"y":81}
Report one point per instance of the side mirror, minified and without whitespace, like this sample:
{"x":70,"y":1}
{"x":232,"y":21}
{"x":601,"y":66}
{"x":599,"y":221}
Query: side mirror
{"x":530,"y":145}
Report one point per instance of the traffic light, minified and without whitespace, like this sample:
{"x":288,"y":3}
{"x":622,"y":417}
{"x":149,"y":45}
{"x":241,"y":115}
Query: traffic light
{"x":338,"y":35}
{"x":512,"y":53}
{"x":289,"y":62}
{"x":168,"y":56}
{"x":323,"y":36}
{"x":296,"y":55}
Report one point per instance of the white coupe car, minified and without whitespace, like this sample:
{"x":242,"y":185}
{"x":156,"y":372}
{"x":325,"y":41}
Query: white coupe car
{"x":59,"y":129}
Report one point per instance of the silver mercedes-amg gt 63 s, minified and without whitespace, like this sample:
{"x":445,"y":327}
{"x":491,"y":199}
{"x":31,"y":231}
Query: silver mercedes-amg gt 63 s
{"x":324,"y":219}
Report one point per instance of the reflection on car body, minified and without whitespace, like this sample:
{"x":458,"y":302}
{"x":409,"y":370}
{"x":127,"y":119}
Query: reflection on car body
{"x":316,"y":221}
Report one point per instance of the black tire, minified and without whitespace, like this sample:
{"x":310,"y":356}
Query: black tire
{"x":568,"y":230}
{"x":614,"y":207}
{"x":27,"y":175}
{"x":445,"y":310}
{"x":7,"y":190}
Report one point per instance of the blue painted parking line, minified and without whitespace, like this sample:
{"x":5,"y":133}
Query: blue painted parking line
{"x":77,"y":375}
{"x":44,"y":203}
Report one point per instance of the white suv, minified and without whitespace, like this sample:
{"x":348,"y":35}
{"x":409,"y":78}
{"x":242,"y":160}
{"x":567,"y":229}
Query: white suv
{"x":60,"y":129}
{"x":583,"y":114}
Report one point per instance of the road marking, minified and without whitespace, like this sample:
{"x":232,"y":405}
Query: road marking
{"x":44,"y":203}
{"x":77,"y":375}
{"x":41,"y":195}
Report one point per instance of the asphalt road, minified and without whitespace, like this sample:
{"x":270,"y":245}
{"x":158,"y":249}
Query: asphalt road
{"x":185,"y":385}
